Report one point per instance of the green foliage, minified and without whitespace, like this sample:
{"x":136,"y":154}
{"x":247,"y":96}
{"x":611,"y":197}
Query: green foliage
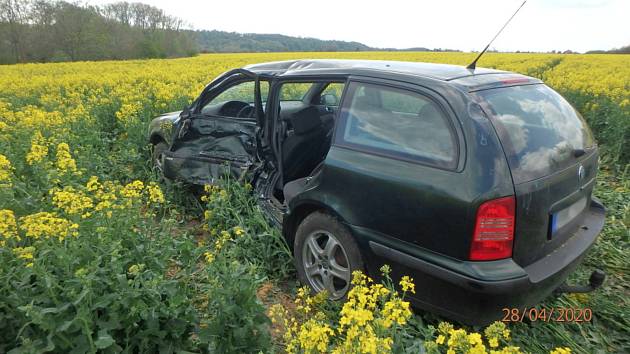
{"x":609,"y":121}
{"x":99,"y":291}
{"x":236,"y":320}
{"x":264,"y":246}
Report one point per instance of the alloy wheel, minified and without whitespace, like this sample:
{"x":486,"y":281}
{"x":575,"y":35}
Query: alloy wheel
{"x":326,"y":264}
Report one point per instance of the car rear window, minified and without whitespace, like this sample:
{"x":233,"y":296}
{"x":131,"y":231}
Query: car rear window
{"x":398,"y":123}
{"x":539,"y":130}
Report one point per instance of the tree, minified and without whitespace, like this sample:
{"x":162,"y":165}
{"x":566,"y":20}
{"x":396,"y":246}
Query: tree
{"x":14,"y":13}
{"x":44,"y":30}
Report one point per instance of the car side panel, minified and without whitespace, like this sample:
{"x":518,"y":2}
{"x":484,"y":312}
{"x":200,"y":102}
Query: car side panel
{"x":415,"y":205}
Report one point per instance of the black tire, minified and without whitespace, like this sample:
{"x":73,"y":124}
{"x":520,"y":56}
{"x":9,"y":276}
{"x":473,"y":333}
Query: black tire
{"x":329,"y":266}
{"x":157,"y":157}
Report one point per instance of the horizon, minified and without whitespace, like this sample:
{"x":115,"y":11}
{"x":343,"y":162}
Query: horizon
{"x":577,"y":25}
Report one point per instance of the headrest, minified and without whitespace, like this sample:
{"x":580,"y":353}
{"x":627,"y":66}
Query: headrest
{"x":305,"y":120}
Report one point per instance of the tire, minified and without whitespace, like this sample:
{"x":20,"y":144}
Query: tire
{"x":157,"y":157}
{"x":326,"y":255}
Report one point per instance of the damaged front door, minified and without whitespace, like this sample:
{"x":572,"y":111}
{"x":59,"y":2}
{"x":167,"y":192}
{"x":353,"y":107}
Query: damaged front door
{"x":220,"y":132}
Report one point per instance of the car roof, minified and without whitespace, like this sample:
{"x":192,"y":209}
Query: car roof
{"x":444,"y":72}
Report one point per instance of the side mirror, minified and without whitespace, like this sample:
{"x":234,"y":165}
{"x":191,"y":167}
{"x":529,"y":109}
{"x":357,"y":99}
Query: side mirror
{"x":329,"y":100}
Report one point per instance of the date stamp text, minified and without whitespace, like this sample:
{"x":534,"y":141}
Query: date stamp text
{"x":551,"y":314}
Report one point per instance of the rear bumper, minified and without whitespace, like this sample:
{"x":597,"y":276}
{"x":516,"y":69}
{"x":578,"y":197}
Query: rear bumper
{"x":477,"y":292}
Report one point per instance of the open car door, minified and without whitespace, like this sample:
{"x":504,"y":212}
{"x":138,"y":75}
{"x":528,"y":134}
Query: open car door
{"x":219,"y":133}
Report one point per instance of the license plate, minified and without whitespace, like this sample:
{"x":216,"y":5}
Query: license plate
{"x":566,"y":215}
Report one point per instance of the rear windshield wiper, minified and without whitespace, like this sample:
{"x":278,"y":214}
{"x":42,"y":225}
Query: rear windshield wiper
{"x":578,"y":152}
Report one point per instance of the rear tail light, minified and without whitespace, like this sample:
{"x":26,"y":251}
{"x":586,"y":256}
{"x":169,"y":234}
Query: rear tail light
{"x":494,"y":230}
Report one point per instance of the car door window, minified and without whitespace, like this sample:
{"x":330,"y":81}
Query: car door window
{"x":396,"y":122}
{"x":331,"y":96}
{"x":242,"y":93}
{"x":294,"y":91}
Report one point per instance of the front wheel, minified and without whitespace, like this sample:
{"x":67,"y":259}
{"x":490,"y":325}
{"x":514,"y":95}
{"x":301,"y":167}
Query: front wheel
{"x":326,"y":255}
{"x":157,"y":157}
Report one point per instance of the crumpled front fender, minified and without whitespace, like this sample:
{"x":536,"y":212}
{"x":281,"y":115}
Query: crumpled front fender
{"x":163,"y":127}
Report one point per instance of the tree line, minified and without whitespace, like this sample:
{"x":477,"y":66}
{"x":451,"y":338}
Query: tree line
{"x":45,"y":31}
{"x":622,"y":50}
{"x":232,"y":42}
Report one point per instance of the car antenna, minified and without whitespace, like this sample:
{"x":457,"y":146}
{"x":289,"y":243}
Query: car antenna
{"x":473,"y":65}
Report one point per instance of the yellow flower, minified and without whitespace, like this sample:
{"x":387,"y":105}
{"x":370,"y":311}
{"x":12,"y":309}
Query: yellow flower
{"x":8,"y":226}
{"x":47,"y":225}
{"x":477,"y":349}
{"x":562,"y":350}
{"x":474,"y":339}
{"x":65,"y":162}
{"x":440,"y":339}
{"x":396,"y":311}
{"x":458,"y":339}
{"x":93,"y":185}
{"x":5,"y":171}
{"x":25,"y":253}
{"x":407,"y":284}
{"x":155,"y":193}
{"x":132,"y":190}
{"x":495,"y":331}
{"x":238,"y":231}
{"x":209,"y":257}
{"x":71,"y":201}
{"x":315,"y":336}
{"x":39,"y":149}
{"x":445,"y":327}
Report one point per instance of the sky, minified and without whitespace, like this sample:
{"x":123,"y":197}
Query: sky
{"x":468,"y":25}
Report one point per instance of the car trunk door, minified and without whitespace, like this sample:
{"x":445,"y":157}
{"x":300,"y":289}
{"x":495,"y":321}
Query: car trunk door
{"x":209,"y":147}
{"x":553,"y":163}
{"x":550,"y":209}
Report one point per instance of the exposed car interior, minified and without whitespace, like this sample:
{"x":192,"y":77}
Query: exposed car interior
{"x":307,"y":113}
{"x":235,"y":102}
{"x":306,"y":120}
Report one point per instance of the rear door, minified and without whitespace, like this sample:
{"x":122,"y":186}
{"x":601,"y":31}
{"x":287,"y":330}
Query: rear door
{"x":393,"y":164}
{"x":220,"y":134}
{"x":553,"y":161}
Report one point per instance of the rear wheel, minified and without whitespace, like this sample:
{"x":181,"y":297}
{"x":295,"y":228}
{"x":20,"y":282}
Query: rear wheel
{"x":157,"y":157}
{"x":326,"y":255}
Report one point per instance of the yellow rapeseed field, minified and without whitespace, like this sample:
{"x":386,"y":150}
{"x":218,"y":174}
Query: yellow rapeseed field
{"x":49,"y":96}
{"x":81,"y":212}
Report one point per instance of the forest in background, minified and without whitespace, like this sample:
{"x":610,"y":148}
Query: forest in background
{"x":48,"y":31}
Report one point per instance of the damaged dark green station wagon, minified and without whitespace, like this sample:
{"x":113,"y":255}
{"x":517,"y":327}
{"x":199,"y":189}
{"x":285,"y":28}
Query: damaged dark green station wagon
{"x":477,"y":183}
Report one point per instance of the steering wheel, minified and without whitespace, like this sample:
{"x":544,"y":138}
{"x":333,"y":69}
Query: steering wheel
{"x":232,"y":108}
{"x":246,"y":112}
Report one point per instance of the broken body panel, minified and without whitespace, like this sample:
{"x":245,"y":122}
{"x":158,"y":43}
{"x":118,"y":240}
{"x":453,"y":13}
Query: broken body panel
{"x":204,"y":147}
